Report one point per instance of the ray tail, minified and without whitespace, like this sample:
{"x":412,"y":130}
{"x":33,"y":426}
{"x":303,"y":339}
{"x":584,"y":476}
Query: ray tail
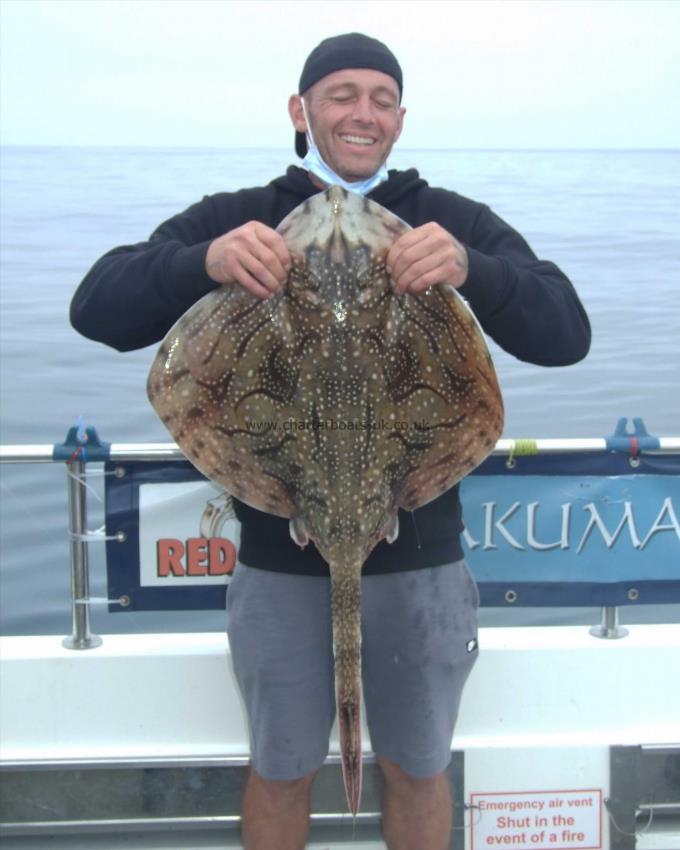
{"x":346,"y":610}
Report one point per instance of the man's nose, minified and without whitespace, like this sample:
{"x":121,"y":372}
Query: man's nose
{"x":363,"y":110}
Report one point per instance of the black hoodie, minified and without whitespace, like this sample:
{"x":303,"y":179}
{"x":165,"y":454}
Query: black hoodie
{"x":134,"y":294}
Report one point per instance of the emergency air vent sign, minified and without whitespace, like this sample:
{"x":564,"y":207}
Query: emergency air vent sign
{"x":537,"y":820}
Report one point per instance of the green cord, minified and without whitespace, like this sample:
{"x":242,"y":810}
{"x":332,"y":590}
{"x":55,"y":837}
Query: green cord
{"x":521,"y":448}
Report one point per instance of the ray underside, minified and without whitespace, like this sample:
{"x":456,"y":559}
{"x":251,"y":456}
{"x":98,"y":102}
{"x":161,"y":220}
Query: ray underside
{"x":333,"y":403}
{"x":243,"y":402}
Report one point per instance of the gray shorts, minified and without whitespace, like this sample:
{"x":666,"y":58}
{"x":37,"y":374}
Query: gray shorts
{"x":419,"y":643}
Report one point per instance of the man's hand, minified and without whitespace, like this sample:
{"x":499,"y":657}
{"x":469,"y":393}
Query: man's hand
{"x":253,"y":256}
{"x":425,"y":256}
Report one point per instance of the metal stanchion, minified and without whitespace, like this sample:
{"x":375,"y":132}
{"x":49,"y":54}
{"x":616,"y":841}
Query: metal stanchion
{"x":81,"y":637}
{"x":609,"y":627}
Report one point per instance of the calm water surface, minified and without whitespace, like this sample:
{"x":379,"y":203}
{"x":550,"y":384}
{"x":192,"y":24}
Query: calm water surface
{"x":610,"y":219}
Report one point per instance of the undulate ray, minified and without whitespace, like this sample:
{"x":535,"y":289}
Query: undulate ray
{"x":333,"y":403}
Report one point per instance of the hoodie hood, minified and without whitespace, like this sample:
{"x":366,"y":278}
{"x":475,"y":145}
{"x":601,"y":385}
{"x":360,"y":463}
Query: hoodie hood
{"x":399,"y":183}
{"x":395,"y":189}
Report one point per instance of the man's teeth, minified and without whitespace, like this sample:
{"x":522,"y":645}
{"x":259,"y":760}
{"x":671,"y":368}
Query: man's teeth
{"x":358,"y":140}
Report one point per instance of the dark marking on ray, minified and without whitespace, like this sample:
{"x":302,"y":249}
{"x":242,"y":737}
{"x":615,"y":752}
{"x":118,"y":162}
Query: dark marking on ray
{"x":274,"y":449}
{"x":305,"y":342}
{"x":274,"y":372}
{"x":421,"y":386}
{"x":432,"y":312}
{"x":195,"y":413}
{"x":239,"y":432}
{"x":459,"y":383}
{"x":312,"y":499}
{"x":393,"y":229}
{"x":395,"y":470}
{"x":285,"y":484}
{"x":448,"y":459}
{"x":446,"y":426}
{"x":238,"y":317}
{"x":273,"y":396}
{"x":177,"y":375}
{"x":248,"y":338}
{"x":378,"y":341}
{"x":487,"y":376}
{"x":218,"y":390}
{"x":411,"y":317}
{"x":193,"y":330}
{"x":411,"y":445}
{"x":223,"y":325}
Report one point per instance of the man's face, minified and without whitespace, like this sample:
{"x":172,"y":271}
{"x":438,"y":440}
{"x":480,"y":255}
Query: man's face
{"x":355,"y":119}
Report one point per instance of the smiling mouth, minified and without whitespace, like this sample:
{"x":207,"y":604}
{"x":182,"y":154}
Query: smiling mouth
{"x":357,"y":140}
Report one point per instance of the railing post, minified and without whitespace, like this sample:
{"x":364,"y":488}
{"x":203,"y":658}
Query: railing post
{"x":609,"y":627}
{"x":81,"y":636}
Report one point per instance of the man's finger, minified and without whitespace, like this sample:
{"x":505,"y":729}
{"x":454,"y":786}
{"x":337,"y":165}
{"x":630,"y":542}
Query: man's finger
{"x":274,"y":242}
{"x":261,"y":271}
{"x":258,"y":250}
{"x":404,"y":243}
{"x":420,"y":275}
{"x":244,"y":278}
{"x":410,"y":254}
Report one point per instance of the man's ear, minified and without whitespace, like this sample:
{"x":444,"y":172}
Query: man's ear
{"x":296,"y":112}
{"x":400,"y":125}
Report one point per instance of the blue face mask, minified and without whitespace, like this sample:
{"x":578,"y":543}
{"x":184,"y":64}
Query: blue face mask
{"x":314,"y":163}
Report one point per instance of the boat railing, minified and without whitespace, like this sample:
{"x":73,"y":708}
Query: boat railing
{"x":631,"y":451}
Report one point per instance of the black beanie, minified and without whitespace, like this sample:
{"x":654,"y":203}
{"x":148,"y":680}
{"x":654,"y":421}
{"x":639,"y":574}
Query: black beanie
{"x":352,"y":50}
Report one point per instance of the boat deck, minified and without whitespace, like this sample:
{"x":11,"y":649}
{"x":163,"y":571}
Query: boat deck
{"x":125,"y":737}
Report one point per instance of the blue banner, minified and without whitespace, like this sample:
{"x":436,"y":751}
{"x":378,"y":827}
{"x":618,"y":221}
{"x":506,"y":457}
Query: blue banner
{"x":577,"y":529}
{"x":547,"y":530}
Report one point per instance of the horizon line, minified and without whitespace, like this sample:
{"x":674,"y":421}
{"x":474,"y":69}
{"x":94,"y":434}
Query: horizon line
{"x":150,"y":146}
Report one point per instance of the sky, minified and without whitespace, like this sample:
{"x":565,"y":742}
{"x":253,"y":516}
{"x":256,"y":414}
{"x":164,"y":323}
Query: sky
{"x":478,"y":74}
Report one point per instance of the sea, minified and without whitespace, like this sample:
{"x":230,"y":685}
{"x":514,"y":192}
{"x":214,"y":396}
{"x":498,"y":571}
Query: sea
{"x":609,"y":218}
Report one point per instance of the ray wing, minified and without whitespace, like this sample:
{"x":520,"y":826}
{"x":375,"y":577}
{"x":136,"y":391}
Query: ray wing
{"x":220,"y":382}
{"x":440,"y":374}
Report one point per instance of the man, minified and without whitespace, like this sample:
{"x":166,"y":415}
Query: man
{"x":419,"y":601}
